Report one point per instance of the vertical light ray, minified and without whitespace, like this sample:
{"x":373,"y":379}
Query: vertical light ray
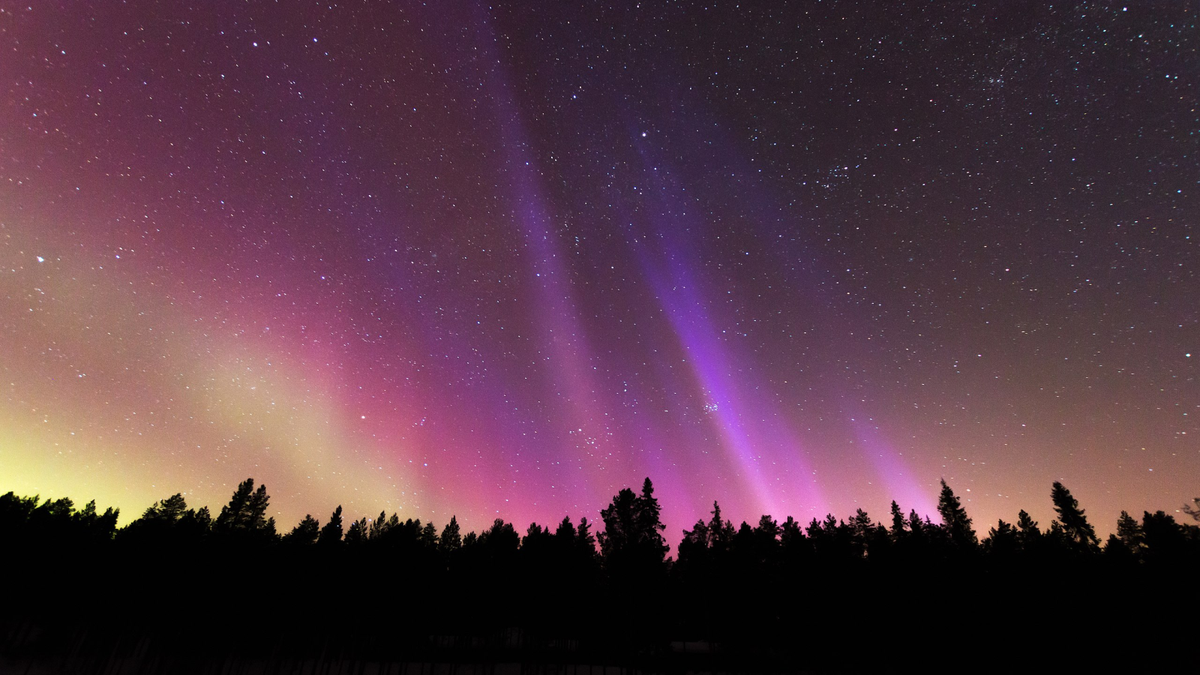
{"x":753,"y":198}
{"x":568,"y":359}
{"x":899,"y":480}
{"x":749,"y":425}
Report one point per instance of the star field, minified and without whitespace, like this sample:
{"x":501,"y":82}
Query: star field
{"x":504,"y":260}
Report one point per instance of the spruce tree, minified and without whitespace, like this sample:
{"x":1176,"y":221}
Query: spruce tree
{"x":565,"y":533}
{"x":790,"y":532}
{"x":766,"y":545}
{"x":1029,"y":536}
{"x":1078,"y":531}
{"x":1130,"y":533}
{"x":632,"y":541}
{"x":304,"y":533}
{"x":897,"y":531}
{"x":619,"y":525}
{"x":955,"y":519}
{"x":451,"y":539}
{"x":429,"y":536}
{"x":860,"y":530}
{"x":332,"y":532}
{"x":649,"y":523}
{"x":720,"y":532}
{"x":585,"y":541}
{"x":1002,"y":541}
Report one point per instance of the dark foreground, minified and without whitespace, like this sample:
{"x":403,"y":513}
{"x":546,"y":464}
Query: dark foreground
{"x":216,"y":613}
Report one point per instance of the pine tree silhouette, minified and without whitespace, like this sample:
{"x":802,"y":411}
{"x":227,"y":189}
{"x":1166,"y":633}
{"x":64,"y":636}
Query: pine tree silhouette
{"x":450,"y":540}
{"x":331,"y":534}
{"x":955,"y":520}
{"x":306,"y":532}
{"x":1079,"y":533}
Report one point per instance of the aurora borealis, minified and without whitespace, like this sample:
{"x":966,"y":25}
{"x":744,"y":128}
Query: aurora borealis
{"x":504,"y":260}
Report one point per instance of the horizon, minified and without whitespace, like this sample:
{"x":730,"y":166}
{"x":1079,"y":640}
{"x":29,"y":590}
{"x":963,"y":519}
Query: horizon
{"x":597,"y":524}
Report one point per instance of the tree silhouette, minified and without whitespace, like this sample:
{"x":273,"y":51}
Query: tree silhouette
{"x":358,"y":533}
{"x":246,"y":513}
{"x":918,"y":527}
{"x":15,"y":513}
{"x":378,"y":527}
{"x":955,"y":519}
{"x":742,"y":550}
{"x":619,"y":527}
{"x":390,"y":527}
{"x":795,"y":548}
{"x":585,"y":541}
{"x":1130,"y":533}
{"x":565,"y":533}
{"x":168,"y":511}
{"x":500,"y":544}
{"x":720,"y":532}
{"x":196,"y":523}
{"x":332,"y":532}
{"x":102,"y":527}
{"x":766,"y":538}
{"x":693,"y":548}
{"x":831,"y":541}
{"x":632,"y":537}
{"x":1003,"y":542}
{"x":256,"y":511}
{"x":306,"y":532}
{"x":50,"y":522}
{"x":450,"y":540}
{"x":862,"y":531}
{"x":1079,"y":533}
{"x":897,"y":531}
{"x":168,"y":522}
{"x":1056,"y":538}
{"x":1166,"y":541}
{"x":235,"y":515}
{"x":1029,"y":536}
{"x":538,"y":552}
{"x":1193,"y":509}
{"x":429,"y":536}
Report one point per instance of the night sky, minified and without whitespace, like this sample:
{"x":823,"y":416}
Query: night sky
{"x":505,"y":260}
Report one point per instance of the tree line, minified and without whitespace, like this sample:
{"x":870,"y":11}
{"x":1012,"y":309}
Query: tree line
{"x":632,"y":537}
{"x":772,"y":596}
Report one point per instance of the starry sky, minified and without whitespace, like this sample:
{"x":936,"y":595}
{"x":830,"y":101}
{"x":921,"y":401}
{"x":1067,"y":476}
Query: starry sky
{"x":503,"y":260}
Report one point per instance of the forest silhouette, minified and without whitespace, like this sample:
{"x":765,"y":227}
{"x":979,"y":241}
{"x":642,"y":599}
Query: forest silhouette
{"x":179,"y":590}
